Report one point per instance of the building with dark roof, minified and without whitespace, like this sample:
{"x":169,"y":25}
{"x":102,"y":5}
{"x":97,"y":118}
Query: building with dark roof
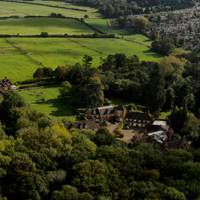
{"x":137,"y":120}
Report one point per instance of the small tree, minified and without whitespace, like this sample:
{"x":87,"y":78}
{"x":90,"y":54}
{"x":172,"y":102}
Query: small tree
{"x":164,"y":47}
{"x":87,"y":61}
{"x":140,"y":24}
{"x":44,"y":34}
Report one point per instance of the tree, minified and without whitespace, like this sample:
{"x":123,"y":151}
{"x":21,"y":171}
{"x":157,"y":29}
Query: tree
{"x":65,"y":89}
{"x":82,"y":148}
{"x":87,"y":61}
{"x":191,"y":127}
{"x":173,"y":194}
{"x":89,"y":93}
{"x":8,"y":109}
{"x":44,"y":34}
{"x":43,"y":72}
{"x":10,"y":100}
{"x":103,"y":137}
{"x":91,"y":176}
{"x":154,"y":93}
{"x":164,"y":47}
{"x":178,"y":118}
{"x":61,"y":73}
{"x":140,"y":23}
{"x":69,"y":192}
{"x":172,"y":66}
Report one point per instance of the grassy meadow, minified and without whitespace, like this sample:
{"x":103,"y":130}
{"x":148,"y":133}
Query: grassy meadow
{"x":20,"y":57}
{"x":45,"y":100}
{"x":25,"y":26}
{"x":23,"y":9}
{"x":68,"y":5}
{"x":13,"y":63}
{"x":104,"y":25}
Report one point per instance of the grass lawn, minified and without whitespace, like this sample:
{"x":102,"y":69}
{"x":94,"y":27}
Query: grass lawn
{"x":105,"y":26}
{"x":22,"y":9}
{"x":88,"y":10}
{"x":164,"y":115}
{"x":13,"y":64}
{"x":45,"y":100}
{"x":20,"y":62}
{"x":37,"y":25}
{"x":20,"y":57}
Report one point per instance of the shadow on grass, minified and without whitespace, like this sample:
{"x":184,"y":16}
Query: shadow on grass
{"x":147,"y":40}
{"x":151,"y":53}
{"x":63,"y":108}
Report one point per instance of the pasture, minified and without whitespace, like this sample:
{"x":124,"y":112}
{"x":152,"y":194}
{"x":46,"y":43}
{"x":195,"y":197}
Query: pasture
{"x":105,"y":26}
{"x":23,"y":9}
{"x":37,"y":25}
{"x":67,"y":5}
{"x":21,"y":56}
{"x":45,"y":100}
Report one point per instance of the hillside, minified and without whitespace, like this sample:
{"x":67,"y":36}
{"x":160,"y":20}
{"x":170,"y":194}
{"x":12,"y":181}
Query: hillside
{"x":99,"y":100}
{"x":20,"y":56}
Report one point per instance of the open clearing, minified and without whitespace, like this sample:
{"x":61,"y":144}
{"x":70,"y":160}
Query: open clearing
{"x":23,"y":9}
{"x":21,"y":56}
{"x":36,"y":25}
{"x":104,"y":25}
{"x":45,"y":100}
{"x":67,"y":5}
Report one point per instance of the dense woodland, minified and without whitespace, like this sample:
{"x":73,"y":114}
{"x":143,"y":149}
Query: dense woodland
{"x":41,"y":160}
{"x":171,"y":86}
{"x":116,"y":8}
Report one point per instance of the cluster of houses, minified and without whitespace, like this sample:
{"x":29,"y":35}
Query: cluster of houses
{"x":6,"y":84}
{"x":182,"y":26}
{"x":137,"y":125}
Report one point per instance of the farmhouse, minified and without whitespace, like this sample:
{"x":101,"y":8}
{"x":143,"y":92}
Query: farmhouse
{"x":86,"y":124}
{"x":137,"y":126}
{"x":137,"y":120}
{"x":106,"y":113}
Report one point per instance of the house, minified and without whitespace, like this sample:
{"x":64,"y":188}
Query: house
{"x":159,"y":136}
{"x":87,"y":124}
{"x":162,"y":124}
{"x":140,"y":126}
{"x":135,"y":120}
{"x":109,"y":113}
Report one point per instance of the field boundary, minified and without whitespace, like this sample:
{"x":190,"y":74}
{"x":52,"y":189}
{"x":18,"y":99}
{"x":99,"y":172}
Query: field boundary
{"x":96,"y":36}
{"x":51,"y":6}
{"x":23,"y":52}
{"x":84,"y":46}
{"x":135,"y":42}
{"x":55,"y":17}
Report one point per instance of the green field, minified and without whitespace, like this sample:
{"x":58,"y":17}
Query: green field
{"x":25,"y":26}
{"x":105,"y":26}
{"x":22,"y":9}
{"x":45,"y":100}
{"x":67,"y":5}
{"x":21,"y":56}
{"x":13,"y":63}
